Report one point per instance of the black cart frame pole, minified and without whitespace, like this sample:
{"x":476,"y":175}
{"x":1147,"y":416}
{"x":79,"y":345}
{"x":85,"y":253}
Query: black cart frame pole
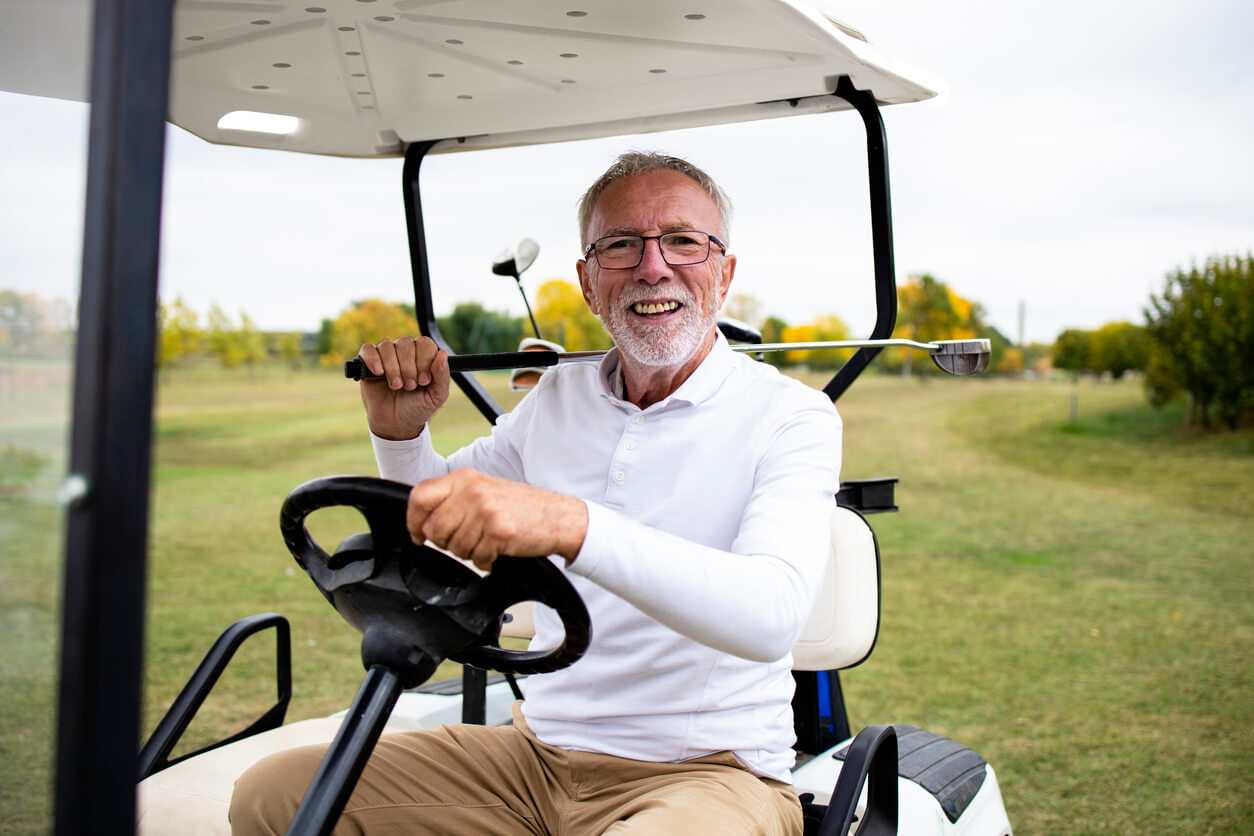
{"x":106,"y":492}
{"x":421,"y":269}
{"x":881,"y":235}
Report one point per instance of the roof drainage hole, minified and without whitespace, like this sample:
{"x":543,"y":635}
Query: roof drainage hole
{"x":576,"y":14}
{"x":516,"y":63}
{"x":261,"y":87}
{"x":435,"y":75}
{"x":694,"y":17}
{"x":464,"y":96}
{"x":657,"y":72}
{"x":281,"y":65}
{"x":569,"y":55}
{"x":194,"y":38}
{"x":454,"y":42}
{"x":261,"y":23}
{"x":385,"y":19}
{"x":315,"y":10}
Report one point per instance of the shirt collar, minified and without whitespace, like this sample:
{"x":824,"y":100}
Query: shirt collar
{"x":700,"y":385}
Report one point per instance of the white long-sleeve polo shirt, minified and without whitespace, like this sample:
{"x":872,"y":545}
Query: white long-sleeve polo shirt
{"x":708,"y":530}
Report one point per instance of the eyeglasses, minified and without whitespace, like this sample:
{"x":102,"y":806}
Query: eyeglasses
{"x":623,"y":252}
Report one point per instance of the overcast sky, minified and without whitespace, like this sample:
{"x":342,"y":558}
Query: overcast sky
{"x":1080,"y":152}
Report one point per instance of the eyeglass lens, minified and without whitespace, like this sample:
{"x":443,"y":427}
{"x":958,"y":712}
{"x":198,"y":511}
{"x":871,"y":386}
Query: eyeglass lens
{"x":678,"y":248}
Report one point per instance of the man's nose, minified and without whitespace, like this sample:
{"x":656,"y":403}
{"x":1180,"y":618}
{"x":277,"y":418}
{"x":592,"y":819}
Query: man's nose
{"x":652,"y":266}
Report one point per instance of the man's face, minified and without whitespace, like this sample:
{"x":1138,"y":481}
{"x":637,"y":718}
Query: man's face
{"x":658,"y":314}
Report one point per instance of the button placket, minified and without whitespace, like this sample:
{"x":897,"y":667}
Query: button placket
{"x":619,"y":464}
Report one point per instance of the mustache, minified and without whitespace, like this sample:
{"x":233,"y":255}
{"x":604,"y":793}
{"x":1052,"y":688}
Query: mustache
{"x":632,"y":295}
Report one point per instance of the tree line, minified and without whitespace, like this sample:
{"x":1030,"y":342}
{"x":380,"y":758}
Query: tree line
{"x":1196,"y":343}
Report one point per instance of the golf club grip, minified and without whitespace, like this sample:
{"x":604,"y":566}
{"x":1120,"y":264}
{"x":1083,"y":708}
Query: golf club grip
{"x":355,"y":369}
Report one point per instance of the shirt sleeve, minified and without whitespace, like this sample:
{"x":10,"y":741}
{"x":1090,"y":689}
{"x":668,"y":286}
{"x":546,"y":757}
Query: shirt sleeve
{"x":753,"y":600}
{"x":409,"y":461}
{"x":413,"y":460}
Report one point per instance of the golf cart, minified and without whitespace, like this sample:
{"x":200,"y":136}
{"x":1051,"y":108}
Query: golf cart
{"x":374,"y":82}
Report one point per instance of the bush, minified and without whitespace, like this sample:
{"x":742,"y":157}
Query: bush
{"x":1202,"y":340}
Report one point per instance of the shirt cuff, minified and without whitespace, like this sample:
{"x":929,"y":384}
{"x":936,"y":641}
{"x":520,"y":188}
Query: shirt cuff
{"x":400,"y":461}
{"x":597,"y":542}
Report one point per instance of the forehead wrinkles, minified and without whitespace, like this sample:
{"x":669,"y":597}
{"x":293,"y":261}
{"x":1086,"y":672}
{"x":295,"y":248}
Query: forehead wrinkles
{"x":674,"y":226}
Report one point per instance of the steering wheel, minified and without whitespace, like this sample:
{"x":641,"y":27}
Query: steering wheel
{"x":416,"y":606}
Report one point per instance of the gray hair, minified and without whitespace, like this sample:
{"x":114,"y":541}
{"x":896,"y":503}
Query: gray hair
{"x":631,"y":163}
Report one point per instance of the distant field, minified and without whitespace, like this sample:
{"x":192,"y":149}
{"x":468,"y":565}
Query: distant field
{"x":1071,"y":599}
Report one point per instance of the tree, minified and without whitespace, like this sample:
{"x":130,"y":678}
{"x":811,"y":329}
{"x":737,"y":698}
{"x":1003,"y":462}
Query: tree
{"x":1073,"y":350}
{"x":367,"y":321}
{"x":472,"y":329}
{"x":1118,"y":348}
{"x":234,"y":345}
{"x":179,"y":333}
{"x":31,"y":326}
{"x":564,"y":318}
{"x":927,"y":310}
{"x":1202,"y":339}
{"x":20,"y":323}
{"x":773,"y":332}
{"x":287,"y":346}
{"x":824,"y":328}
{"x":252,"y":343}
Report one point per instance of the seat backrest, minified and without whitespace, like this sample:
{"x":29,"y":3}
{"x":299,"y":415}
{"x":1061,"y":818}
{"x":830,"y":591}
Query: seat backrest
{"x":845,"y":621}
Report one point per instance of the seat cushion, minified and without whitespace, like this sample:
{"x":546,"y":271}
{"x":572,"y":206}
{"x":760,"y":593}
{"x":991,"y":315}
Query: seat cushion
{"x":192,"y":797}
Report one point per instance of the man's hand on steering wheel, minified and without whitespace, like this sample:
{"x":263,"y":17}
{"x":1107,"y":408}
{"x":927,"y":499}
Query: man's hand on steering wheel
{"x":479,"y":517}
{"x":414,"y":384}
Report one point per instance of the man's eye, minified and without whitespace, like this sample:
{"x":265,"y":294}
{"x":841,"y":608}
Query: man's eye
{"x":682,"y":241}
{"x":620,"y":244}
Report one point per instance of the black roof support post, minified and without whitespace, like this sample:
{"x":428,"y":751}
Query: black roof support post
{"x":424,"y":305}
{"x":881,"y":235}
{"x":106,"y":493}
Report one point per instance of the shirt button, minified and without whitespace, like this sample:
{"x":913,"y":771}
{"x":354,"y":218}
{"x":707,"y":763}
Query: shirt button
{"x":619,"y":476}
{"x":639,"y":419}
{"x":631,"y":444}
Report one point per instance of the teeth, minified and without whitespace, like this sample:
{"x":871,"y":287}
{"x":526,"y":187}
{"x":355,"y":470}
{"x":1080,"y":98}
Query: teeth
{"x":654,"y":307}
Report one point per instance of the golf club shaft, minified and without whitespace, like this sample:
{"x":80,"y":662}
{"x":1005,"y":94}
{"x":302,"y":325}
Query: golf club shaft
{"x":355,"y":369}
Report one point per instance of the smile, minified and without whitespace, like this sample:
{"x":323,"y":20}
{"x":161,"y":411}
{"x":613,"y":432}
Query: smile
{"x":654,"y":308}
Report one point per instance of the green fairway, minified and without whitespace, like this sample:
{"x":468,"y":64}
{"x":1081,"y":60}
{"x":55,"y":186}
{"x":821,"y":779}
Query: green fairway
{"x":1071,"y":598}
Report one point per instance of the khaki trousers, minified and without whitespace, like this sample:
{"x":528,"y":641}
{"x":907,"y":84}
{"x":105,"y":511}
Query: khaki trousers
{"x":470,"y":780}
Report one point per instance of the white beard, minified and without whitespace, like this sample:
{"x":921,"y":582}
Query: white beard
{"x":655,"y":347}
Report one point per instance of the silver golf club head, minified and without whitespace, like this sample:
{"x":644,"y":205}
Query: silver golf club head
{"x":514,"y":260}
{"x":961,"y":357}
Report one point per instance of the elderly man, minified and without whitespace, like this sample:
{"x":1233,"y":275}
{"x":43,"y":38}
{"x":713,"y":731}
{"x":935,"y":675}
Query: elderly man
{"x":686,"y":490}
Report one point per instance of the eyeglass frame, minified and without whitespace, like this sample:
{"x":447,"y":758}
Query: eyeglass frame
{"x":713,"y":239}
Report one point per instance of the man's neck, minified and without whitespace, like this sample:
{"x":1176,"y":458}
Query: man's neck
{"x":646,"y":385}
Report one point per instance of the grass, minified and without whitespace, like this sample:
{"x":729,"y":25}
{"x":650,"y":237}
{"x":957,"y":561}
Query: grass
{"x":1071,"y":598}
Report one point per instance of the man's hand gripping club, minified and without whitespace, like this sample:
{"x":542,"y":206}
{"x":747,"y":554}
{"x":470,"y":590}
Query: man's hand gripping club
{"x":412,"y":386}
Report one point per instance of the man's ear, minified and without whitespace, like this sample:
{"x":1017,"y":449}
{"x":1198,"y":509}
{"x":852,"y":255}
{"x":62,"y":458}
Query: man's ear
{"x":585,"y":285}
{"x":725,"y":278}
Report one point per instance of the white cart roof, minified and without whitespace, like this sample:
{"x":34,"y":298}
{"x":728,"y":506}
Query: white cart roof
{"x":365,"y":78}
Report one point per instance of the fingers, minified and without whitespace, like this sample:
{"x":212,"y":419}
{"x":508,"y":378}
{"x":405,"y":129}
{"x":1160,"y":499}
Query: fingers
{"x":405,"y":363}
{"x":460,"y":513}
